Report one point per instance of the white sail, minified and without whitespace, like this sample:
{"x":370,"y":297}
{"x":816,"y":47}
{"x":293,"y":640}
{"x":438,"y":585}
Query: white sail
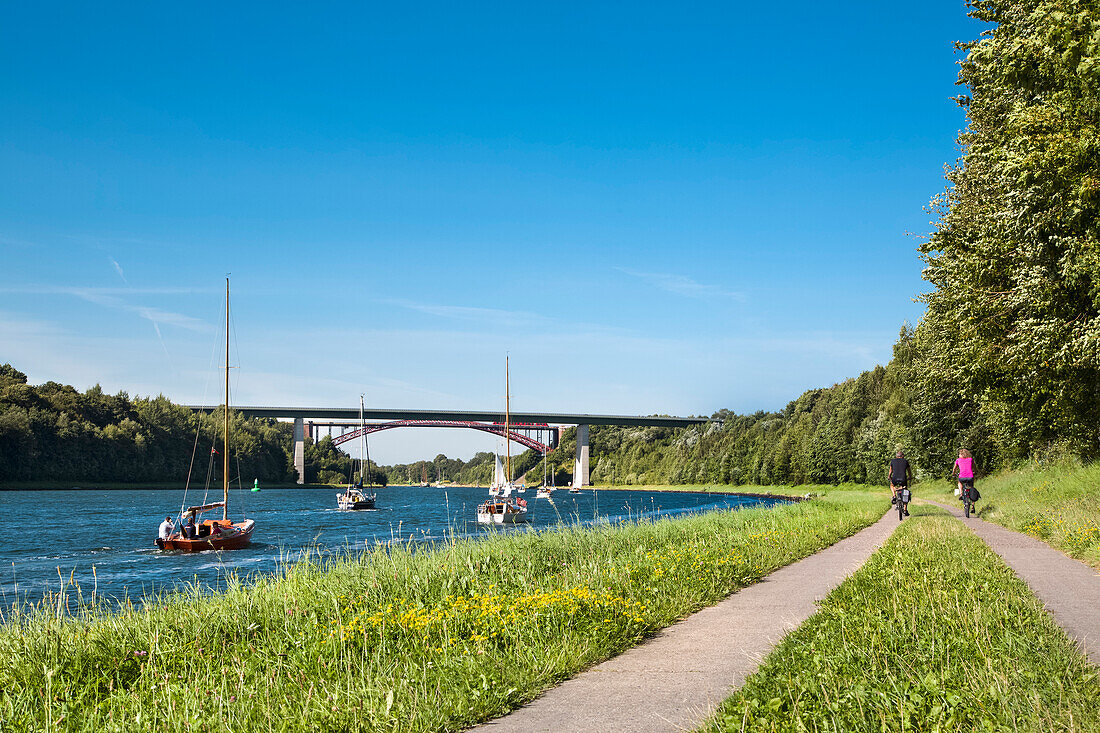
{"x":498,"y":472}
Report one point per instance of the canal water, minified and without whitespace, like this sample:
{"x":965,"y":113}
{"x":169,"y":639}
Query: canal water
{"x":50,"y":537}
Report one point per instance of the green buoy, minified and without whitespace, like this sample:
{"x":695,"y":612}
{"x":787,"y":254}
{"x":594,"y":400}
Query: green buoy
{"x":256,"y":484}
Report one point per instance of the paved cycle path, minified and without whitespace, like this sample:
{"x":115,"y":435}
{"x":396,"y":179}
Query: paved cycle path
{"x":1068,"y":588}
{"x":675,"y":680}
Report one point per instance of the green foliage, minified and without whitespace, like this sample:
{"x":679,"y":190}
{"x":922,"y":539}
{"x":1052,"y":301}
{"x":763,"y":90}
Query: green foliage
{"x":921,"y":640}
{"x":327,"y":464}
{"x":1010,"y":344}
{"x":54,"y":432}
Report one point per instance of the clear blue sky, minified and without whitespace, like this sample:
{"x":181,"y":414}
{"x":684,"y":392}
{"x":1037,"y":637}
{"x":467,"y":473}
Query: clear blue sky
{"x":654,"y":208}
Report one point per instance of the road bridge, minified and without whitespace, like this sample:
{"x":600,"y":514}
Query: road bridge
{"x":306,"y":419}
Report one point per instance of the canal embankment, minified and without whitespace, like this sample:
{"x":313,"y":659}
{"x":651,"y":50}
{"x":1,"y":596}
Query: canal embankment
{"x":400,"y":638}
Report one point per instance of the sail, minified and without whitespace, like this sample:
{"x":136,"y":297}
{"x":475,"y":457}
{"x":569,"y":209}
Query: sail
{"x":498,"y":472}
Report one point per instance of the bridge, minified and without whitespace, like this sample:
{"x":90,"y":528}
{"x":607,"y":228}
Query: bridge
{"x":526,"y":428}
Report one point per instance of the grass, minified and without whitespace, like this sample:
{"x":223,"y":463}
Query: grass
{"x":934,"y":633}
{"x":721,"y":488}
{"x":398,"y":639}
{"x":1059,"y":504}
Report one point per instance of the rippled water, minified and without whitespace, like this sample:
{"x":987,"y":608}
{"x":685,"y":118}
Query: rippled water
{"x":50,"y":535}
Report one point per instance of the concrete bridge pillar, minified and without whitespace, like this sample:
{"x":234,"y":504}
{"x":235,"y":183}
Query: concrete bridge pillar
{"x":300,"y":449}
{"x":580,"y":463}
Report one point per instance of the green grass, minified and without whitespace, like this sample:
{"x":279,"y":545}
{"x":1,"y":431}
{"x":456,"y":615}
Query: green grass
{"x":934,"y":633}
{"x":399,"y":639}
{"x":1059,"y":504}
{"x":725,"y":488}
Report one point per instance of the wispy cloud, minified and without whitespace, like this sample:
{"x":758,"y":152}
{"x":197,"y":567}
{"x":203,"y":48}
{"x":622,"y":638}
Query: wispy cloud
{"x":80,"y":291}
{"x":118,"y":269}
{"x":112,"y":298}
{"x":683,"y":285}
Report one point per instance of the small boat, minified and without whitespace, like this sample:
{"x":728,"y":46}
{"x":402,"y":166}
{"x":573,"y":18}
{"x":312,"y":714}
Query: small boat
{"x":496,"y":486}
{"x":503,"y":509}
{"x":574,"y":490}
{"x":354,"y":497}
{"x":503,"y":512}
{"x":213,"y":534}
{"x":543,"y":492}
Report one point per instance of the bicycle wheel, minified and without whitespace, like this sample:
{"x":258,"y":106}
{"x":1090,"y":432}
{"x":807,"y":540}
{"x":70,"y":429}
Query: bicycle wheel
{"x":966,"y":508}
{"x":901,"y":510}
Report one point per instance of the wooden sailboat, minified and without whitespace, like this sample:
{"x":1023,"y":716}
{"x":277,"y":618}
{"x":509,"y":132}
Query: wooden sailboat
{"x":356,"y":497}
{"x":213,"y":534}
{"x":504,"y":510}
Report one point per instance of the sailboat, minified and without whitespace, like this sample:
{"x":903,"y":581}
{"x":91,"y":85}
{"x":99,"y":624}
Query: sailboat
{"x":354,"y":497}
{"x":213,"y":534}
{"x":544,"y":491}
{"x":498,"y":482}
{"x":504,"y":510}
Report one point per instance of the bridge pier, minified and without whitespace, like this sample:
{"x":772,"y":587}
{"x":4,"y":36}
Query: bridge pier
{"x":300,"y":449}
{"x":580,"y":463}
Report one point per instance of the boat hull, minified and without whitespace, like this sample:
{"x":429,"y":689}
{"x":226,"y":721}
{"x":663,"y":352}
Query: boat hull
{"x":352,"y":506}
{"x":238,"y":535}
{"x":487,"y":518}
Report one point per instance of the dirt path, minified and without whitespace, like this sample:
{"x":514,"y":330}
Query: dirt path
{"x":674,"y":681}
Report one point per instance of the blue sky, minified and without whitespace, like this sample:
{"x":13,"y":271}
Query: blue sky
{"x":653,"y":208}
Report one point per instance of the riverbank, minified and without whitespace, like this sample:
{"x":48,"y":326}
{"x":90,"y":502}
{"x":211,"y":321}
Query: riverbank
{"x":948,"y":639}
{"x":128,"y":485}
{"x":401,"y":638}
{"x":795,"y":493}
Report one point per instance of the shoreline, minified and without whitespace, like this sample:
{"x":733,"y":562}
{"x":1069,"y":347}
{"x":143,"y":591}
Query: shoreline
{"x":795,"y":495}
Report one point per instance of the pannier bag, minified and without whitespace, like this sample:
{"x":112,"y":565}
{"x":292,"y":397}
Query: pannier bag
{"x":974,"y":495}
{"x":904,"y":494}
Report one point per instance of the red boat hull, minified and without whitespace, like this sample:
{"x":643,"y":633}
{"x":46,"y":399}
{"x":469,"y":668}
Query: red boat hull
{"x":234,"y":537}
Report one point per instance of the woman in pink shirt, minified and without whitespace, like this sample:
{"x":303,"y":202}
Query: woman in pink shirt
{"x":964,"y":469}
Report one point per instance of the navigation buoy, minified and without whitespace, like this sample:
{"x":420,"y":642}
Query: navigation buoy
{"x":256,"y":484}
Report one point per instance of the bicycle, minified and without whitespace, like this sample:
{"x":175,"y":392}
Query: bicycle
{"x":901,"y":499}
{"x":967,"y":497}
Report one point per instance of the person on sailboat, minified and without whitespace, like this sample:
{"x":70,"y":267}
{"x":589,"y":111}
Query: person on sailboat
{"x":166,"y":528}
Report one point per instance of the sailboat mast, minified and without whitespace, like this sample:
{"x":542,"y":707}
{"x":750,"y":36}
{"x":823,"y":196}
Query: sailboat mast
{"x":507,"y":424}
{"x":225,"y":432}
{"x":363,"y":440}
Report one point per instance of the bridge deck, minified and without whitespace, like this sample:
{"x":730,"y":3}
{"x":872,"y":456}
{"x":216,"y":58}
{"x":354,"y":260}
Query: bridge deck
{"x":352,"y":413}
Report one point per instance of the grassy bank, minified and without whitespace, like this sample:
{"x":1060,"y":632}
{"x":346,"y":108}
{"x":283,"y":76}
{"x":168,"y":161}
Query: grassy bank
{"x":934,"y":633}
{"x":1059,"y":504}
{"x":400,"y":640}
{"x":799,"y":491}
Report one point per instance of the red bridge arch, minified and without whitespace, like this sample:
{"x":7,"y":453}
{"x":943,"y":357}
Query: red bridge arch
{"x":519,"y":432}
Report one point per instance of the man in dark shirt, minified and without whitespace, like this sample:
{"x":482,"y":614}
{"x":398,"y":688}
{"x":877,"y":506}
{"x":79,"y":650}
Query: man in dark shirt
{"x":900,"y":474}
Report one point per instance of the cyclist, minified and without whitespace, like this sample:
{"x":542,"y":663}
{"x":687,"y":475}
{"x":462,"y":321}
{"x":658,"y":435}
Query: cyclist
{"x":964,"y":470}
{"x":900,"y":474}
